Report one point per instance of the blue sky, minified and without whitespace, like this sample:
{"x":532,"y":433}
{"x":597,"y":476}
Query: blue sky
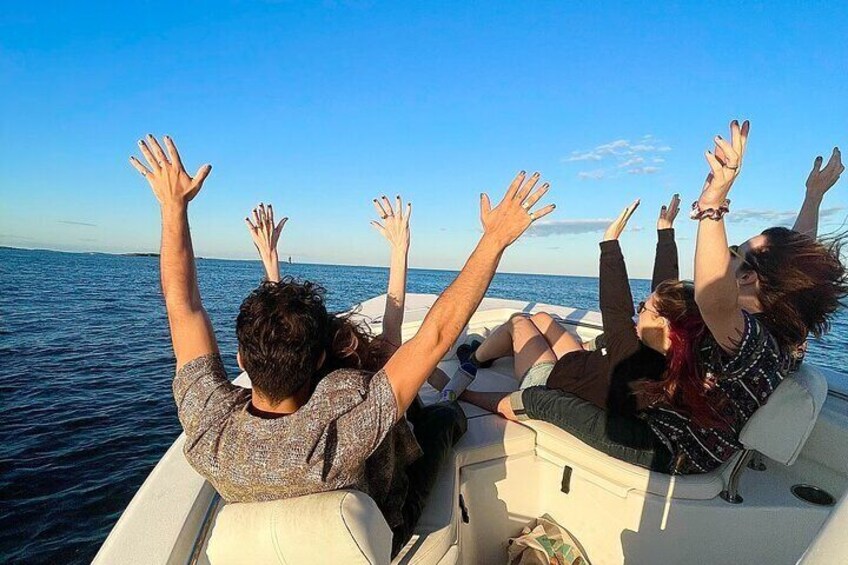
{"x":318,"y":107}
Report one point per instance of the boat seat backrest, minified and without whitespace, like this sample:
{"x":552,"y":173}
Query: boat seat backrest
{"x":780,"y":428}
{"x":336,"y":527}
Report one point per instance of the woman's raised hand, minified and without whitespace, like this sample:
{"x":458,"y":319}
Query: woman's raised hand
{"x":395,"y":226}
{"x":513,"y":215}
{"x":166,"y":174}
{"x":668,"y":213}
{"x":264,"y":232}
{"x":821,"y":180}
{"x":725,"y":164}
{"x":617,"y":226}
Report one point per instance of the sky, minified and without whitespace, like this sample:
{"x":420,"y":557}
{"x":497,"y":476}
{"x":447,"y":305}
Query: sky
{"x":318,"y":107}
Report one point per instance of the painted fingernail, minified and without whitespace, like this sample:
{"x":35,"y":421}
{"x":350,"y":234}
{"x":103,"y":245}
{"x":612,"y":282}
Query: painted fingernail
{"x":535,"y":175}
{"x":522,"y":173}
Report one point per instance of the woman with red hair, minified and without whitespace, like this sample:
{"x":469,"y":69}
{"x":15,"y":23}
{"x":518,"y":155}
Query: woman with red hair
{"x":727,"y":340}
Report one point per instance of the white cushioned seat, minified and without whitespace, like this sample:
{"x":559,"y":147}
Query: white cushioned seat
{"x":778,"y":430}
{"x":332,"y":527}
{"x":781,"y":427}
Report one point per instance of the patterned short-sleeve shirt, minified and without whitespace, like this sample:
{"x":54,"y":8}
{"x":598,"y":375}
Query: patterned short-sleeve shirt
{"x":742,"y":382}
{"x":350,"y":420}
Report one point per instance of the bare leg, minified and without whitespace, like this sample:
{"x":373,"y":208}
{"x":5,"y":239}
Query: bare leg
{"x":529,"y":346}
{"x":559,"y":340}
{"x":498,"y":344}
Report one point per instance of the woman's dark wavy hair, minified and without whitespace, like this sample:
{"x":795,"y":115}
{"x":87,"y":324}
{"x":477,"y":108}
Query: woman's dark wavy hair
{"x":282,"y":330}
{"x":684,"y":385}
{"x":802,"y":283}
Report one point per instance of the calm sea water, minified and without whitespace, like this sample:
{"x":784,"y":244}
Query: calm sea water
{"x":86,"y":378}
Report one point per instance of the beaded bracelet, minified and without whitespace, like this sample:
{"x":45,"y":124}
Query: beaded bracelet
{"x":709,"y":213}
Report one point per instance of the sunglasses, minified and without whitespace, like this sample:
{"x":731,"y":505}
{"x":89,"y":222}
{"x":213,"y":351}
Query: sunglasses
{"x":642,"y":307}
{"x":734,"y":250}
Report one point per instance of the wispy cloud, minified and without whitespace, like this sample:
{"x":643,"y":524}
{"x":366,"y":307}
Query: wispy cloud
{"x":777,"y":217}
{"x":623,"y":155}
{"x":597,"y":174}
{"x":643,"y":170}
{"x":545,"y":228}
{"x":73,"y":223}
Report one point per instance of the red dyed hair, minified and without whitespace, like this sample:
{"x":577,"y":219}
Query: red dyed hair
{"x":684,"y":385}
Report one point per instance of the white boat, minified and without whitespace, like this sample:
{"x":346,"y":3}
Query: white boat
{"x":504,"y":474}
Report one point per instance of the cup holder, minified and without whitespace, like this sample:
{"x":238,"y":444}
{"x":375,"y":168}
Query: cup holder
{"x":813,"y":495}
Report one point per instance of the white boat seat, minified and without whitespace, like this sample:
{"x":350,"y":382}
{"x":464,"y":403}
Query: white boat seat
{"x":333,"y":527}
{"x":347,"y":526}
{"x":780,"y":428}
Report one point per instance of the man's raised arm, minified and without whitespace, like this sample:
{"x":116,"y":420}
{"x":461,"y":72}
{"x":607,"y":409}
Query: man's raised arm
{"x":410,"y":366}
{"x":191,"y":331}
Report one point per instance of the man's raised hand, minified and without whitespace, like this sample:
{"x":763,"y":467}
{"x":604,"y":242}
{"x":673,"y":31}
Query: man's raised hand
{"x":166,"y":174}
{"x":513,"y":215}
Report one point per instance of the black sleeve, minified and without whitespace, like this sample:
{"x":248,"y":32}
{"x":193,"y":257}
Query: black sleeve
{"x":616,"y":303}
{"x":665,"y":261}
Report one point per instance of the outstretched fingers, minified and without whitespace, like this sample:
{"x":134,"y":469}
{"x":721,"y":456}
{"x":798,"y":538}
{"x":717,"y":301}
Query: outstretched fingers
{"x":536,"y":196}
{"x":525,"y":189}
{"x":379,"y":227}
{"x":515,"y":185}
{"x":542,"y":212}
{"x":157,"y":150}
{"x":172,"y":152}
{"x":139,"y":167}
{"x":152,"y":161}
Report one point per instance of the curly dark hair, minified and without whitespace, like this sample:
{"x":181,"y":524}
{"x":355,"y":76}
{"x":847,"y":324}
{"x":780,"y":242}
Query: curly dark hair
{"x":282,"y":330}
{"x":802,"y":283}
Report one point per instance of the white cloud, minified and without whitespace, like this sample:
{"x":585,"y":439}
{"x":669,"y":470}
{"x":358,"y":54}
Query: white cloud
{"x":776,"y":217}
{"x":632,"y":161}
{"x":544,"y":228}
{"x":644,"y":170}
{"x":625,"y":154}
{"x":591,"y":175}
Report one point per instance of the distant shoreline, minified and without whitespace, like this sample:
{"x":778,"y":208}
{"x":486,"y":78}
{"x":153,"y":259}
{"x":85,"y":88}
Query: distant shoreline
{"x":283,"y":264}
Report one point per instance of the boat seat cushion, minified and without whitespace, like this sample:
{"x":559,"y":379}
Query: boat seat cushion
{"x":336,"y":527}
{"x":780,"y":428}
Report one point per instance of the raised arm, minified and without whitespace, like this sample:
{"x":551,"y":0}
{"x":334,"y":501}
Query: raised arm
{"x":395,"y":228}
{"x":615,"y":297}
{"x":665,"y":261}
{"x":716,"y":290}
{"x":191,"y":331}
{"x":818,"y":183}
{"x":415,"y":360}
{"x":265,"y":235}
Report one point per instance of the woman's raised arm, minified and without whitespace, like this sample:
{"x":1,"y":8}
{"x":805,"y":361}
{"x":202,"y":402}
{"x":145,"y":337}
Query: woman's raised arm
{"x":395,"y":228}
{"x":265,"y":235}
{"x":716,"y":290}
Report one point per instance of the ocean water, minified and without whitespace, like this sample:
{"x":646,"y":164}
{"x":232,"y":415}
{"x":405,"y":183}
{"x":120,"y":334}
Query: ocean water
{"x":86,"y":377}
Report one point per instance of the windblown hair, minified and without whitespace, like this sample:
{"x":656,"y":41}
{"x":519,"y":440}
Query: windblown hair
{"x":351,"y":346}
{"x":802,"y":283}
{"x":282,"y":330}
{"x":685,"y":385}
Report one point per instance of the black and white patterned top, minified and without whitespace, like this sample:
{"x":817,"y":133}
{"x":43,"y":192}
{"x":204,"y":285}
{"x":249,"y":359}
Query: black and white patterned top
{"x":346,"y":436}
{"x":742,"y":383}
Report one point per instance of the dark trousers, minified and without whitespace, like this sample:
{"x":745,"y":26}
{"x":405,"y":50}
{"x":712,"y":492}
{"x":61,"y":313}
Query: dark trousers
{"x":437,"y":429}
{"x":627,"y":438}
